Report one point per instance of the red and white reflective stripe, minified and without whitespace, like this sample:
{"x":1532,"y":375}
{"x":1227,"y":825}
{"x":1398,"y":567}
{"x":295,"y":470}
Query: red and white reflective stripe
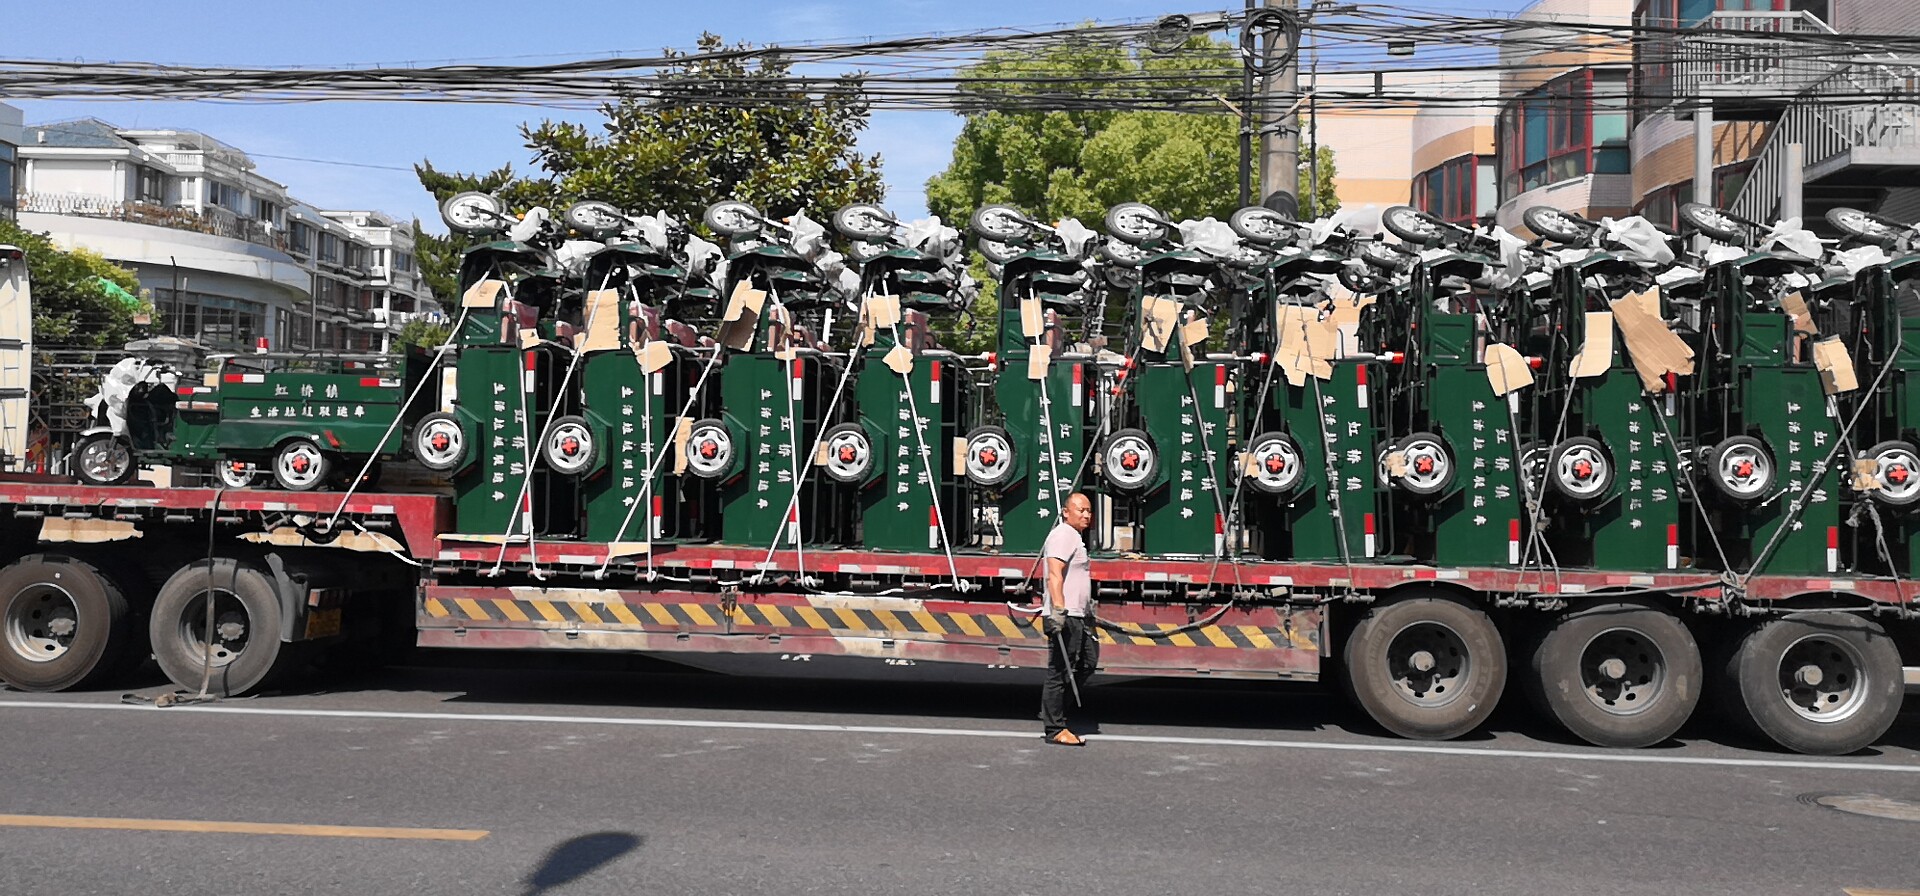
{"x":1219,"y":533}
{"x":532,"y":364}
{"x":1673,"y":547}
{"x":526,"y":512}
{"x":1220,"y":386}
{"x":793,"y":385}
{"x":1673,"y":385}
{"x":1079,"y":386}
{"x":1360,"y":381}
{"x":1366,"y":525}
{"x":933,"y":527}
{"x":655,"y":529}
{"x":244,"y":378}
{"x":1513,"y":542}
{"x":374,"y":382}
{"x":934,"y":390}
{"x":793,"y":521}
{"x":260,"y":345}
{"x":1833,"y":549}
{"x":660,"y":384}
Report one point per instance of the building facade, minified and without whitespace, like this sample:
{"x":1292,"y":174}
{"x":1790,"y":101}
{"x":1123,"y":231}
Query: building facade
{"x":230,"y":258}
{"x":10,"y":135}
{"x":1562,"y":126}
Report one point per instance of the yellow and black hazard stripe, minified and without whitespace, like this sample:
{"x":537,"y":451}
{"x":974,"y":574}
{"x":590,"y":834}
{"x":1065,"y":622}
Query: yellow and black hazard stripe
{"x":835,"y":620}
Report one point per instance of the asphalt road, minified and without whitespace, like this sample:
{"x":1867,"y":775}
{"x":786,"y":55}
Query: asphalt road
{"x":544,"y":781}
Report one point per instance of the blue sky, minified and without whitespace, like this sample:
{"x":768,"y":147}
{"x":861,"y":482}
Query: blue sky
{"x":382,"y":140}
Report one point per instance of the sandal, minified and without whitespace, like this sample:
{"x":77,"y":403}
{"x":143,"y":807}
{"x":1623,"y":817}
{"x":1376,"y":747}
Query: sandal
{"x":1064,"y":738}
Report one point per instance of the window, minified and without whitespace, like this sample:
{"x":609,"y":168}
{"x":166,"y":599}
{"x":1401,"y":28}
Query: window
{"x":329,"y":247}
{"x":7,"y":162}
{"x":300,"y":238}
{"x":226,"y":196}
{"x":149,"y":185}
{"x":403,"y":261}
{"x":1570,"y":127}
{"x":1452,"y":189}
{"x":265,"y":210}
{"x":213,"y":321}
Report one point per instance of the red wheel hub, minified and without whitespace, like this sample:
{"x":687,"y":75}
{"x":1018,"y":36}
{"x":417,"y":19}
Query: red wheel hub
{"x":1743,"y":469}
{"x":441,"y":441}
{"x":709,"y":449}
{"x":989,"y":457}
{"x":300,"y":463}
{"x":570,"y":445}
{"x":1424,"y":464}
{"x":847,"y":454}
{"x":1898,"y":474}
{"x":1130,"y":460}
{"x":1276,"y":464}
{"x":1583,"y":470}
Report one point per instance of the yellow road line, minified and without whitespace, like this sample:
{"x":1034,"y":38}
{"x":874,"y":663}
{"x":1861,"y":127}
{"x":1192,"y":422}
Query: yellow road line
{"x":235,"y":827}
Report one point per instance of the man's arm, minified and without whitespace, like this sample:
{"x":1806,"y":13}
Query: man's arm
{"x":1056,"y":585}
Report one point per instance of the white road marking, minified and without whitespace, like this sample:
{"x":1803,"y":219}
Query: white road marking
{"x":1625,"y":756}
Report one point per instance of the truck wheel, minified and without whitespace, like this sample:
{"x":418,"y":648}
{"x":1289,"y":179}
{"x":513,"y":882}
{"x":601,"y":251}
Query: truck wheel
{"x":301,"y":466}
{"x":1429,"y":668}
{"x":989,"y":460}
{"x":246,"y":651}
{"x":849,"y":454}
{"x":1817,"y":683}
{"x":66,"y":625}
{"x":439,"y":444}
{"x":1617,"y":674}
{"x":103,"y":459}
{"x":1580,"y":470}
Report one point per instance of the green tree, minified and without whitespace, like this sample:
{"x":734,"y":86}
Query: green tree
{"x":422,"y":333}
{"x":80,"y":299}
{"x":719,"y":125}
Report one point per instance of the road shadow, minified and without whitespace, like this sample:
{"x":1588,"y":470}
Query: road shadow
{"x":578,"y":857}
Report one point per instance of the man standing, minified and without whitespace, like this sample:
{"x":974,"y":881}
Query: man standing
{"x":1071,"y":648}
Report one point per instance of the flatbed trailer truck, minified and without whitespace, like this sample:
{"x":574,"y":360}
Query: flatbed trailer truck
{"x":97,"y":578}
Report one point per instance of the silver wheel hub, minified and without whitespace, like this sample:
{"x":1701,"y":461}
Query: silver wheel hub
{"x":1429,"y":664}
{"x":1622,"y":671}
{"x":41,"y":623}
{"x":569,"y":448}
{"x":988,"y":457}
{"x":1823,"y":679}
{"x":105,"y":458}
{"x":1897,"y":472}
{"x":231,"y":628}
{"x":709,"y":451}
{"x":440,"y":441}
{"x":1129,"y":461}
{"x":1428,"y":465}
{"x":1745,"y":470}
{"x":1277,"y":464}
{"x":1582,"y":471}
{"x":849,"y":455}
{"x":301,"y":464}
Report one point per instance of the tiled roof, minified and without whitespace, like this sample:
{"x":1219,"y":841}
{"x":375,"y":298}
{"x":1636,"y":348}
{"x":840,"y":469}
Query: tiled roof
{"x":86,"y":133}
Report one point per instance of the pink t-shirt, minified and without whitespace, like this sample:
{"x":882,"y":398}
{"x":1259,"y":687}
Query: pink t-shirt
{"x":1065,"y":543}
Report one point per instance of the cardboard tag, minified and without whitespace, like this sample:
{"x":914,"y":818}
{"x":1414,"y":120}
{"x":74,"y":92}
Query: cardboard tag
{"x":1158,"y":318}
{"x":1032,"y":322}
{"x":1249,"y":465}
{"x":682,"y":434}
{"x":821,"y":454}
{"x":1795,"y":305}
{"x":743,"y":300}
{"x":653,"y":356}
{"x":484,"y":294}
{"x":620,"y":549}
{"x":1038,"y":361}
{"x":1654,"y":350}
{"x":529,"y":337}
{"x":1837,"y":375}
{"x":1596,"y":354}
{"x":900,"y":360}
{"x":1866,"y":474}
{"x":959,"y":455}
{"x":884,"y":311}
{"x":737,"y":334}
{"x":1507,"y":370}
{"x":602,"y":317}
{"x":1396,"y":463}
{"x":1195,"y":332}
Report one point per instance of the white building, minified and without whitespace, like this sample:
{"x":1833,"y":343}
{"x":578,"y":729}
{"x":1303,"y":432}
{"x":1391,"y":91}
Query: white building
{"x":10,"y":127}
{"x":229,"y":256}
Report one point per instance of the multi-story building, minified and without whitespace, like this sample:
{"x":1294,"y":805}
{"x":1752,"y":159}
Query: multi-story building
{"x":229,"y":257}
{"x":10,"y":135}
{"x":1454,"y":166}
{"x":1765,"y":82}
{"x":1562,"y":128}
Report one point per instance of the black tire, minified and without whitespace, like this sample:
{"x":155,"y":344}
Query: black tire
{"x":732,"y":218}
{"x":1279,"y":466}
{"x":234,"y":474}
{"x":1129,"y":461}
{"x":1859,"y":688}
{"x":1262,"y":226}
{"x":991,"y":460}
{"x":1413,"y":225}
{"x":1897,"y":472}
{"x":1136,"y":223}
{"x":448,"y":451}
{"x":850,"y":454}
{"x":1580,"y":469}
{"x":1716,"y":223}
{"x":472,"y":212}
{"x":1558,"y":225}
{"x":1616,"y":674}
{"x":998,"y":252}
{"x":102,"y":459}
{"x":1000,"y":223}
{"x":301,"y":466}
{"x":1868,"y":227}
{"x":245,"y":658}
{"x":42,"y":595}
{"x":863,"y":221}
{"x":571,"y":447}
{"x":1740,"y":484}
{"x":1465,"y":658}
{"x":1421,"y":450}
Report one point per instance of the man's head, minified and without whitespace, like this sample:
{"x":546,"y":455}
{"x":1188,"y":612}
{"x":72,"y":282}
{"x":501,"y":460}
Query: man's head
{"x":1078,"y":512}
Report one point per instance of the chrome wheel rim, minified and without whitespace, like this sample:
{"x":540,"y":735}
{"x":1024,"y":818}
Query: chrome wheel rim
{"x":41,"y":622}
{"x":440,"y":442}
{"x":300,"y":465}
{"x":1897,"y":470}
{"x":1581,"y":471}
{"x":709,"y":451}
{"x":105,"y":460}
{"x":569,"y":448}
{"x":1277,"y":466}
{"x":989,"y":457}
{"x":849,"y":455}
{"x":1129,"y":461}
{"x":1744,"y":470}
{"x":1823,"y":679}
{"x":1428,"y":465}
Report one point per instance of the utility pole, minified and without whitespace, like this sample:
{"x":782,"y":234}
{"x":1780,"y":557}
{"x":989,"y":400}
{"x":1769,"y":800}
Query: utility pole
{"x":1248,"y":121}
{"x":1280,"y":140}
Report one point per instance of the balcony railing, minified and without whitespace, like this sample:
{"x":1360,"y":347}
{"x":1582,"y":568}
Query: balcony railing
{"x":213,"y":221}
{"x":1750,"y":53}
